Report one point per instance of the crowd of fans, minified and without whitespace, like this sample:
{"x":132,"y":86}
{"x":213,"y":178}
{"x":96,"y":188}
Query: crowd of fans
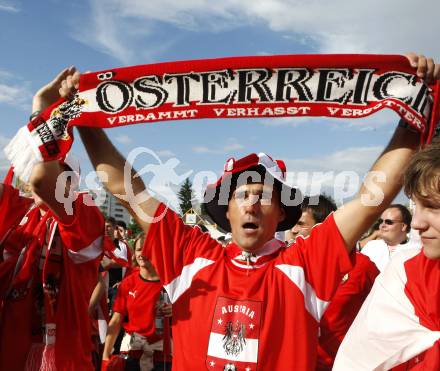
{"x":77,"y":294}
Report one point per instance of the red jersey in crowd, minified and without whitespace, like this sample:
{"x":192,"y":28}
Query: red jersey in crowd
{"x":259,"y":312}
{"x":337,"y":319}
{"x":43,"y":249}
{"x":137,"y":298}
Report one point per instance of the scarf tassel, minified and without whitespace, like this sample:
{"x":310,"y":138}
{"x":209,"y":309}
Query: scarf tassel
{"x":41,"y":357}
{"x":48,"y":360}
{"x":33,"y":361}
{"x":22,"y":153}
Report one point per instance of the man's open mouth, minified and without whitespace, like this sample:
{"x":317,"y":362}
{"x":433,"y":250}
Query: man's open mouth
{"x":250,"y":226}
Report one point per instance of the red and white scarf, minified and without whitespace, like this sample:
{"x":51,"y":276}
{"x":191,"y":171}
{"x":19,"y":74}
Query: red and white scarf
{"x":349,"y":86}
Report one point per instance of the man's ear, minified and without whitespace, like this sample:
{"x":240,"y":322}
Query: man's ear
{"x":227,"y":213}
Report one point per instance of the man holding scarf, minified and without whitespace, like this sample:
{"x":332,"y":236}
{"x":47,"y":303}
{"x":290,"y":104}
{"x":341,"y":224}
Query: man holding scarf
{"x":49,"y":259}
{"x":400,"y":320}
{"x":253,"y":304}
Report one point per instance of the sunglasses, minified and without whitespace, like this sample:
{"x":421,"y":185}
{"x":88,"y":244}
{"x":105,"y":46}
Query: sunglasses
{"x":388,"y":221}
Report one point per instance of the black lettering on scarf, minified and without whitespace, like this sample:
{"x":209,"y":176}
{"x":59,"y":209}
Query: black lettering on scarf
{"x":108,"y":102}
{"x":293,"y":79}
{"x":47,"y":138}
{"x":422,"y":99}
{"x":331,"y":79}
{"x":249,"y":80}
{"x":148,"y":93}
{"x":362,"y":86}
{"x":381,"y":86}
{"x":183,"y":86}
{"x":213,"y":79}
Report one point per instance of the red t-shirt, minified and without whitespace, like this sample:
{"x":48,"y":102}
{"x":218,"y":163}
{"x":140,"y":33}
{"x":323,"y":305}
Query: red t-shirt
{"x":345,"y":305}
{"x":137,"y":298}
{"x":81,"y":242}
{"x":262,"y":318}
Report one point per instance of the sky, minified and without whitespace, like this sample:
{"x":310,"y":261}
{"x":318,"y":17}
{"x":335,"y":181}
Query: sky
{"x":40,"y":38}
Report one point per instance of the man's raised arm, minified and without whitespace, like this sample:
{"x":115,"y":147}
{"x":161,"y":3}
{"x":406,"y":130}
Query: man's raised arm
{"x":384,"y":181}
{"x":115,"y":173}
{"x":118,"y":177}
{"x":45,"y":175}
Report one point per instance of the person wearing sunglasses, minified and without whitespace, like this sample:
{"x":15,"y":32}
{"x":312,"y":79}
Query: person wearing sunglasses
{"x":394,"y":226}
{"x":398,"y":326}
{"x":254,"y":304}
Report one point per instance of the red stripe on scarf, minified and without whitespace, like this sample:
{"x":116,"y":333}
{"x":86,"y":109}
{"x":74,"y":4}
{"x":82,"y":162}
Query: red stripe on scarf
{"x":345,"y":86}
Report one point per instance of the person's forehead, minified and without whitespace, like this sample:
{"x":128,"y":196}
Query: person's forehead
{"x":254,"y":188}
{"x":391,"y":213}
{"x":139,"y":244}
{"x":307,"y":217}
{"x":432,"y":202}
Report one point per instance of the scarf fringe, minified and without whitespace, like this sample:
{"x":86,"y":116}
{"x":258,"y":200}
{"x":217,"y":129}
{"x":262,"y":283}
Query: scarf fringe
{"x":20,"y":151}
{"x":41,"y":357}
{"x":33,"y":361}
{"x":48,"y":360}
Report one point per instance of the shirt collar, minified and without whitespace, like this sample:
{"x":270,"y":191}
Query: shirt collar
{"x":256,"y":259}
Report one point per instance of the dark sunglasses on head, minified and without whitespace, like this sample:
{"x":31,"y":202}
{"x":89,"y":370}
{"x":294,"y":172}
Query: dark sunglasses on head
{"x":389,"y":221}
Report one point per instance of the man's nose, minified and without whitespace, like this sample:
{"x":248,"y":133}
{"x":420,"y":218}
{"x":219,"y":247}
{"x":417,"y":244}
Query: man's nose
{"x":252,"y":202}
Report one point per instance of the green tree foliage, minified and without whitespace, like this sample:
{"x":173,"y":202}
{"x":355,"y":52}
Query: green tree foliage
{"x":134,"y":227}
{"x":185,"y":196}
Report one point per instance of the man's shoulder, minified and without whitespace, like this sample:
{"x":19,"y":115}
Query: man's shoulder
{"x":362,"y":260}
{"x":375,"y":243}
{"x":410,"y":245}
{"x":404,"y":255}
{"x":364,"y":266}
{"x":394,"y":276}
{"x":373,"y":246}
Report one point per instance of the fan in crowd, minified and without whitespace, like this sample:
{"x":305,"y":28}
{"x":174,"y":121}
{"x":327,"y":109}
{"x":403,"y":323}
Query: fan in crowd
{"x":264,"y":301}
{"x":135,"y":309}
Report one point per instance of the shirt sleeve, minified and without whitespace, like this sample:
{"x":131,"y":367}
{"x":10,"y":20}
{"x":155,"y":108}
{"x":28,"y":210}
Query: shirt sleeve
{"x":120,"y":304}
{"x":123,"y":251}
{"x":83,"y":236}
{"x":366,"y":249}
{"x":171,"y":245}
{"x":370,"y":272}
{"x":323,"y":258}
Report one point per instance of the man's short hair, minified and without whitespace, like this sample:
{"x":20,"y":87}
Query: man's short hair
{"x":422,"y":177}
{"x":111,"y":220}
{"x":121,"y":223}
{"x":406,"y":215}
{"x":319,"y":206}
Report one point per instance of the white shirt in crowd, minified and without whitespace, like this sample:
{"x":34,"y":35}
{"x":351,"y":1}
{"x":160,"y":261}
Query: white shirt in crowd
{"x":380,"y":253}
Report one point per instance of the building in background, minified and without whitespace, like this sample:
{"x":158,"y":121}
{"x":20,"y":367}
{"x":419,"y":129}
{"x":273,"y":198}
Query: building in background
{"x":109,"y":205}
